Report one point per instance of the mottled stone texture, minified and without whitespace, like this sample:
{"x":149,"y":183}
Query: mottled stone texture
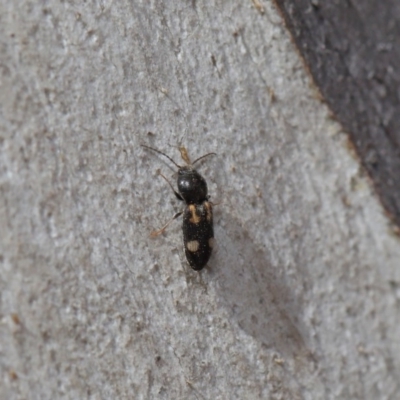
{"x":300,"y":299}
{"x":352,"y":49}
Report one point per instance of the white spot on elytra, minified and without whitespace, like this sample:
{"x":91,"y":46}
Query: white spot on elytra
{"x":193,"y":246}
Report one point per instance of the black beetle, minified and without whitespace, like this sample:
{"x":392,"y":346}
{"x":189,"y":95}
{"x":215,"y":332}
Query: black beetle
{"x":198,"y":231}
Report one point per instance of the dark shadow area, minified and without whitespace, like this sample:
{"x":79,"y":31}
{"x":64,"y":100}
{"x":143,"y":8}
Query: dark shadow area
{"x":257,"y":297}
{"x":352,"y":50}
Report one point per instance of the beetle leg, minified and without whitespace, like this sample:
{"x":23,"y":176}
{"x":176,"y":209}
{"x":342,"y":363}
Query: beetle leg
{"x":215,"y":204}
{"x":178,"y":196}
{"x":162,"y":230}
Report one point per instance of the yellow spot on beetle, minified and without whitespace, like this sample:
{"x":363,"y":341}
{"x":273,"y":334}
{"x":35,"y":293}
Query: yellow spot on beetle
{"x":208,"y":207}
{"x":195,"y":219}
{"x":211,"y":242}
{"x":193,"y":246}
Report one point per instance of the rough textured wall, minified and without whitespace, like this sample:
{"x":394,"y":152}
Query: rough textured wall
{"x":352,"y":49}
{"x":300,"y":300}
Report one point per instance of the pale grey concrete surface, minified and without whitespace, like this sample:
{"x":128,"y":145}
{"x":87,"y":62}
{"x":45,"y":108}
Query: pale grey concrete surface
{"x":301,"y":299}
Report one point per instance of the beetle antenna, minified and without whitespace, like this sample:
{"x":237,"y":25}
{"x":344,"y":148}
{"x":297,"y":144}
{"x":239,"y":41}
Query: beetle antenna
{"x":205,"y":155}
{"x":163,"y":154}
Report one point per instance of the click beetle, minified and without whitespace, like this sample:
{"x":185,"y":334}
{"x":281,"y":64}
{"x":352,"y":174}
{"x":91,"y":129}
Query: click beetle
{"x":197,"y":227}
